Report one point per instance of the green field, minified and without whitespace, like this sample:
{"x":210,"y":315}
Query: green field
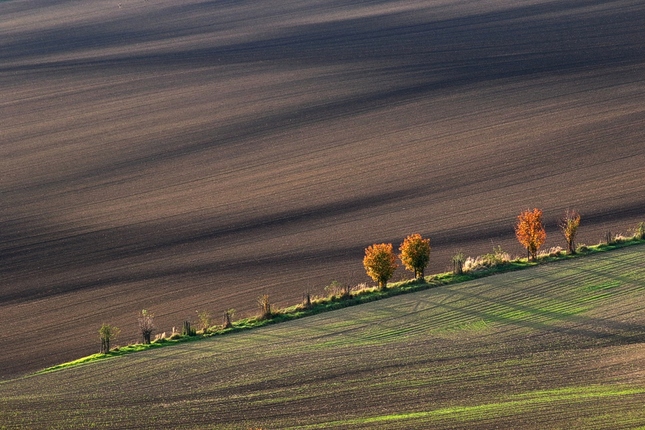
{"x":555,"y":346}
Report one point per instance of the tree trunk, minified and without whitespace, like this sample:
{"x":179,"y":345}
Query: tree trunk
{"x":186,"y":329}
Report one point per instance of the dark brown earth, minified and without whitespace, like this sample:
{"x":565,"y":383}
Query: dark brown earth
{"x":194,"y":155}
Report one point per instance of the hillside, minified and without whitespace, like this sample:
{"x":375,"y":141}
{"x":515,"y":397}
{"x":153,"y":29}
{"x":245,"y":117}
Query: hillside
{"x":185,"y":156}
{"x":556,"y":346}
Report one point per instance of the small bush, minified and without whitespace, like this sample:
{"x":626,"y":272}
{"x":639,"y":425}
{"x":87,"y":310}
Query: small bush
{"x":146,"y":325}
{"x":205,"y":321}
{"x":639,"y":231}
{"x":554,"y":251}
{"x":187,"y":330}
{"x":160,"y":338}
{"x":338,"y":289}
{"x":458,"y":261}
{"x":608,"y":238}
{"x":475,"y":264}
{"x":620,"y":238}
{"x":359,"y":288}
{"x":569,"y":226}
{"x":107,"y":333}
{"x":497,"y":257}
{"x":228,"y":316}
{"x":265,"y":307}
{"x":306,"y":300}
{"x":486,"y":261}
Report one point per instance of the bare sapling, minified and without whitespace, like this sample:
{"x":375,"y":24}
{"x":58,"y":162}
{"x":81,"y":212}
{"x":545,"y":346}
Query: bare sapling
{"x":146,"y":325}
{"x":569,"y":226}
{"x":265,"y":307}
{"x":228,"y":315}
{"x":107,"y":333}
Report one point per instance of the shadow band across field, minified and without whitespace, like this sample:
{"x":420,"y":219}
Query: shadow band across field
{"x":106,"y":246}
{"x":483,"y":47}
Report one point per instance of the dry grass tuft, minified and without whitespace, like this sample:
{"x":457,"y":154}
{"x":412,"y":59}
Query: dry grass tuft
{"x":554,"y":251}
{"x":486,"y":261}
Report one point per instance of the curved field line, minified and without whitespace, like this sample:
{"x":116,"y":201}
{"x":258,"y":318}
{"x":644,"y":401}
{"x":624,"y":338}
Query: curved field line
{"x":515,"y":405}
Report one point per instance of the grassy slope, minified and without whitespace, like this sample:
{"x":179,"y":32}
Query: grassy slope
{"x":554,"y":346}
{"x":184,"y":156}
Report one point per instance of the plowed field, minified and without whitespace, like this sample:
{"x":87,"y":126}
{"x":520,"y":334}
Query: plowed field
{"x":192,"y":155}
{"x":558,"y":346}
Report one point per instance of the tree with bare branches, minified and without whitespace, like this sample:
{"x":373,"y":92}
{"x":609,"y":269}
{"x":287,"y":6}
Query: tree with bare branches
{"x":146,"y":325}
{"x":569,"y":226}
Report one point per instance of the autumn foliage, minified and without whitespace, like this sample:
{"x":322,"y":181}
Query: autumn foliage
{"x":530,"y":231}
{"x":415,"y":254}
{"x":380,"y":263}
{"x":569,"y":226}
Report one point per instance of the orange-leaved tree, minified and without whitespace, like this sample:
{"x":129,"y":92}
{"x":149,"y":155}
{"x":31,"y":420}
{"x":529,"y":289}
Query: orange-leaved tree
{"x":530,"y":231}
{"x":380,"y":263}
{"x":415,"y":254}
{"x":569,"y":226}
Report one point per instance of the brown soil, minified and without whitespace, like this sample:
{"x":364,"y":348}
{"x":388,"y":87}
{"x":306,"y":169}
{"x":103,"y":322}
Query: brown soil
{"x":184,"y":157}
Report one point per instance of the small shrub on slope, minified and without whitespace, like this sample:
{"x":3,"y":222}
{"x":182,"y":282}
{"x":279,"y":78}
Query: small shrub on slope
{"x":486,"y":261}
{"x":205,"y":321}
{"x":228,"y":316}
{"x":107,"y":333}
{"x":554,"y":251}
{"x":338,"y":289}
{"x":458,"y":261}
{"x":639,"y":231}
{"x":569,"y":226}
{"x":265,"y":307}
{"x":146,"y":325}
